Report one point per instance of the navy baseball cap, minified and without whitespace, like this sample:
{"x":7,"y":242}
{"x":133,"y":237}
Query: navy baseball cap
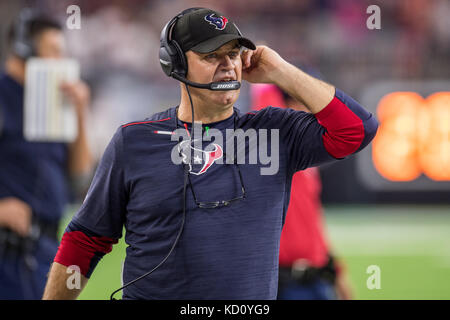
{"x":205,"y":30}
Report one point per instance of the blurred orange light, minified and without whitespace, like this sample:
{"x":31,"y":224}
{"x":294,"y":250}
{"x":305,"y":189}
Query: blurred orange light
{"x":413,"y":137}
{"x":434,"y":155}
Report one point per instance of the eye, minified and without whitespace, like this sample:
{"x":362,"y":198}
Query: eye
{"x":233,"y":54}
{"x":211,"y":56}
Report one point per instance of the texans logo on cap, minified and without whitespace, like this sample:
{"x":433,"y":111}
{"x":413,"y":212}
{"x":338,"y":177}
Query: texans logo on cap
{"x":219,"y":22}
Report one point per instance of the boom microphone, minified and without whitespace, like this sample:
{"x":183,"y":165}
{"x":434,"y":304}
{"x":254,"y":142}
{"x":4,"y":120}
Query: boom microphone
{"x":215,"y":86}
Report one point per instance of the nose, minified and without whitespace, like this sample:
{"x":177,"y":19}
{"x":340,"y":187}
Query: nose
{"x":227,"y":63}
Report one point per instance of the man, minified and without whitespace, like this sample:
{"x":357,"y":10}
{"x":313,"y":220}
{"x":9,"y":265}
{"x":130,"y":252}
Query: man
{"x":209,"y":233}
{"x":33,"y":175}
{"x":308,"y":270}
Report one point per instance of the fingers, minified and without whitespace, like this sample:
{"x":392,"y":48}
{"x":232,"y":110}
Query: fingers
{"x":17,"y":216}
{"x":22,"y":226}
{"x":246,"y":59}
{"x":68,"y":88}
{"x":77,"y":92}
{"x":76,"y":87}
{"x":23,"y":218}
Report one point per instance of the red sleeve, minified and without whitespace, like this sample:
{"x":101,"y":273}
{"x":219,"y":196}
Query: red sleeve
{"x":79,"y":249}
{"x":345,"y":130}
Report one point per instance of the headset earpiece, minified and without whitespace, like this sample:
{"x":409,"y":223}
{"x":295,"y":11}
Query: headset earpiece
{"x":180,"y":66}
{"x":171,"y":56}
{"x":23,"y":44}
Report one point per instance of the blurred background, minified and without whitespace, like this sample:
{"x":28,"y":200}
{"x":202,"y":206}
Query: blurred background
{"x":389,"y":205}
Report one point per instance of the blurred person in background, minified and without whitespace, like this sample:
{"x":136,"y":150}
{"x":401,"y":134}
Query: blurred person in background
{"x":34,"y":176}
{"x":308,"y":270}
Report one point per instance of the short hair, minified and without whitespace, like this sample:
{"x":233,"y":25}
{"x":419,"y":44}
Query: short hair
{"x":37,"y":24}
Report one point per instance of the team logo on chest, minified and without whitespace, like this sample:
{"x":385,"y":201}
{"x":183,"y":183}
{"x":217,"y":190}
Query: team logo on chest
{"x":202,"y":160}
{"x":219,"y":22}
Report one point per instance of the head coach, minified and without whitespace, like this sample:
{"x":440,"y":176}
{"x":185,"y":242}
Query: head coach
{"x":212,"y":233}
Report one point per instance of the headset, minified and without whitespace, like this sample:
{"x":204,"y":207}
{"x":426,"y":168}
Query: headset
{"x":23,"y":44}
{"x":174,"y":63}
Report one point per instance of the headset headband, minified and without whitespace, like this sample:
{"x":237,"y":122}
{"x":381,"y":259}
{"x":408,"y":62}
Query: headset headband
{"x":171,"y":56}
{"x":23,"y":44}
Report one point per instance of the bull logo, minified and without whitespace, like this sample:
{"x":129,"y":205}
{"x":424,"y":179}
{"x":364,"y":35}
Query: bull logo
{"x":202,"y":159}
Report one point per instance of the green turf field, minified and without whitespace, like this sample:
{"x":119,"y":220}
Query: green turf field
{"x":410,"y":245}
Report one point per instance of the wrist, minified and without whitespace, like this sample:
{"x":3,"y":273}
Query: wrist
{"x":81,"y":111}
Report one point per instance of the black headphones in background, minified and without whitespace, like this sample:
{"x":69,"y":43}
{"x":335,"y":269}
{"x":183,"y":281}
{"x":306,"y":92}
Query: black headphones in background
{"x":174,"y":63}
{"x":23,"y":45}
